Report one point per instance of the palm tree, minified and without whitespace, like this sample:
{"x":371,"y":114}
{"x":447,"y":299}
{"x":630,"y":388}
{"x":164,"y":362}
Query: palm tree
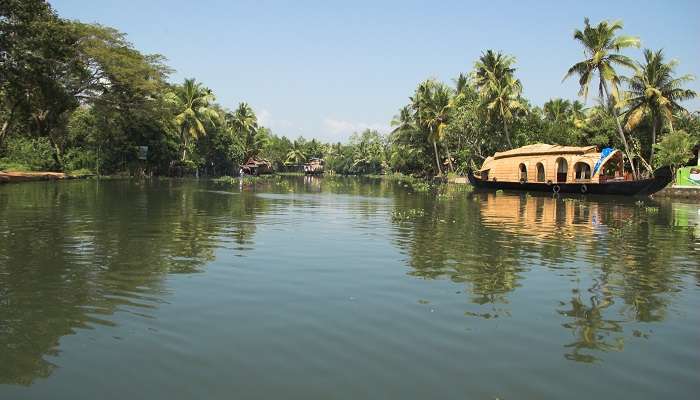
{"x":578,"y":114}
{"x":194,"y":107}
{"x":655,"y":93}
{"x":601,"y":47}
{"x":557,"y":110}
{"x":492,"y":66}
{"x":295,"y":155}
{"x":498,"y":88}
{"x":432,"y":104}
{"x":245,"y":123}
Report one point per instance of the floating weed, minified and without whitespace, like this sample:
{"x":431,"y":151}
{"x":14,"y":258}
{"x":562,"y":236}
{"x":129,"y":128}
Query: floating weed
{"x":226,"y":180}
{"x":406,"y":215}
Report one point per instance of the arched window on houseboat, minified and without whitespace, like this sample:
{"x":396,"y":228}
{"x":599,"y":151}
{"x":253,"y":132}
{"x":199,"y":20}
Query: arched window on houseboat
{"x":540,"y":172}
{"x":582,"y":171}
{"x":562,"y":169}
{"x":523,"y":172}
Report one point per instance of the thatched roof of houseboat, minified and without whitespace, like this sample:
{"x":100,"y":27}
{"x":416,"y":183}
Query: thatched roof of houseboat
{"x":544,"y":149}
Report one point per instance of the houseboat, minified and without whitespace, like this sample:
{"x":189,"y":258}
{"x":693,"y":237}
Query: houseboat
{"x":315,"y":166}
{"x":564,"y":169}
{"x":256,"y":166}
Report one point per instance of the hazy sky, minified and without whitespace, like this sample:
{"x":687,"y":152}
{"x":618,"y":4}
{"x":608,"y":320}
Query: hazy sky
{"x":327,"y":68}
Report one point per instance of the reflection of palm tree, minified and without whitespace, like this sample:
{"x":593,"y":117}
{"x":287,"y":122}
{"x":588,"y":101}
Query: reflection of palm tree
{"x":592,"y":331}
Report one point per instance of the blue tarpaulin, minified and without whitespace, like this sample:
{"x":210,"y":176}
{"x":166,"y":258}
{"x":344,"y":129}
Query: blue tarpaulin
{"x":603,"y":155}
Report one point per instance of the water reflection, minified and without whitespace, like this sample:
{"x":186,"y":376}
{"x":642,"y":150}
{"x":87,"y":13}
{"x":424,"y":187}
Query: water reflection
{"x":71,"y":255}
{"x":618,"y":256}
{"x":601,"y":271}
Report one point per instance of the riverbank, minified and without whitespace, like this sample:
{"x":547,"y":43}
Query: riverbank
{"x":680,"y":192}
{"x":23,"y":176}
{"x":674,"y":192}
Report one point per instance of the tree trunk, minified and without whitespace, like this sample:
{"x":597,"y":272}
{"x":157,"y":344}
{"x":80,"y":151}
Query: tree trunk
{"x":3,"y":130}
{"x":437,"y":158}
{"x":653,"y":139}
{"x":6,"y":124}
{"x":619,"y":128}
{"x":449,"y":158}
{"x":184,"y":144}
{"x":505,"y":128}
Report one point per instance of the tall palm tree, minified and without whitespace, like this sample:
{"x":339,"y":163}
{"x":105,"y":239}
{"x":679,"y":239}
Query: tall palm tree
{"x":601,"y":46}
{"x":432,"y":104}
{"x":498,"y":88}
{"x":654,"y":93}
{"x":492,"y":66}
{"x":245,"y":124}
{"x":194,"y":107}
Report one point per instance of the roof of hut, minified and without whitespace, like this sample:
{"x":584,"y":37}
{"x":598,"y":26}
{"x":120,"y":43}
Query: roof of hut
{"x":544,"y":149}
{"x":255,"y":161}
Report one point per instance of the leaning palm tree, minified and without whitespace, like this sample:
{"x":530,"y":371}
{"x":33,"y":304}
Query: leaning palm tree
{"x":601,"y":46}
{"x":654,"y":93}
{"x":194,"y":108}
{"x":498,"y":88}
{"x":245,"y":124}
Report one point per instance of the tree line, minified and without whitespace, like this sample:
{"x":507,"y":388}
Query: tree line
{"x":80,"y":97}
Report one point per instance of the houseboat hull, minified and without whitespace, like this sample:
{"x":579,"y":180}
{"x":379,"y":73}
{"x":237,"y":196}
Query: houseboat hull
{"x":641,"y":187}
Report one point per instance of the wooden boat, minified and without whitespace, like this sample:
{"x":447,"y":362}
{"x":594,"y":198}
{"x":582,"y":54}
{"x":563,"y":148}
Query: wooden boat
{"x":315,"y":166}
{"x":564,"y":169}
{"x":256,"y":166}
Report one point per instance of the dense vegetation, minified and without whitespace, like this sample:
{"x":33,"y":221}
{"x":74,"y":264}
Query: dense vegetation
{"x":76,"y":96}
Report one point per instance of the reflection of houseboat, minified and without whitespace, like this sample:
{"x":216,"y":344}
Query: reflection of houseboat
{"x":566,"y":169}
{"x":256,"y":166}
{"x":314,"y":166}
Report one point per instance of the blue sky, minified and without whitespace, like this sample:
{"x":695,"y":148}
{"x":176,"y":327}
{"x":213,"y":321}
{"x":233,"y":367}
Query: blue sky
{"x":327,"y":68}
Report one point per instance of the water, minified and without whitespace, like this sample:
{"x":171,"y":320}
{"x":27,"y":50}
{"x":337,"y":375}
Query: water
{"x":343,"y":288}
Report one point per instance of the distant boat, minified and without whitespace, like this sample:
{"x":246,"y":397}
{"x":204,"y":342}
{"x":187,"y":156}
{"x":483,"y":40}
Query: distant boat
{"x":564,"y":169}
{"x":315,"y":166}
{"x":256,"y":166}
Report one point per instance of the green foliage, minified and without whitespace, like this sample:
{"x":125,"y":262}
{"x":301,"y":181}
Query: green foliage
{"x":31,"y":154}
{"x":674,"y":150}
{"x":76,"y":96}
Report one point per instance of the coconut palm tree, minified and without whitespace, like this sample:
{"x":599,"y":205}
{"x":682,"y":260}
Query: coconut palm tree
{"x":557,"y":110}
{"x":601,"y":46}
{"x":431,"y":104}
{"x":655,"y":93}
{"x":244,"y":123}
{"x":194,"y":107}
{"x":498,"y":88}
{"x":295,"y":155}
{"x":492,"y":66}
